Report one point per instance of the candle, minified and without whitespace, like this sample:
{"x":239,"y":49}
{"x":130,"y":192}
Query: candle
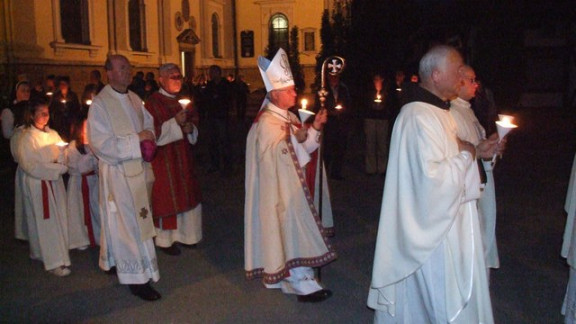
{"x":88,"y":102}
{"x":504,"y":126}
{"x":507,"y":119}
{"x":338,"y":107}
{"x":184,"y":102}
{"x":61,"y":146}
{"x":304,"y":103}
{"x":378,"y":99}
{"x":63,"y":101}
{"x":49,"y":93}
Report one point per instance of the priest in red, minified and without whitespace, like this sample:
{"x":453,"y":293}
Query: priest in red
{"x":176,"y":195}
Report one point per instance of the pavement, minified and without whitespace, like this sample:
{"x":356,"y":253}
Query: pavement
{"x":207,"y":284}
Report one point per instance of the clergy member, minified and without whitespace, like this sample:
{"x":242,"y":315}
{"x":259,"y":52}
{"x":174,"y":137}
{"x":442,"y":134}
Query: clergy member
{"x":117,"y":125}
{"x":284,"y":235}
{"x":429,"y":263}
{"x":175,"y":194}
{"x":470,"y":129}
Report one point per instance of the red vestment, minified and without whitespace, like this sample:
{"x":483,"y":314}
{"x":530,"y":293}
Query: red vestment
{"x":176,"y":188}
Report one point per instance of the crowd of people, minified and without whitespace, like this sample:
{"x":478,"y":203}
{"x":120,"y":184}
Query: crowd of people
{"x":118,"y":171}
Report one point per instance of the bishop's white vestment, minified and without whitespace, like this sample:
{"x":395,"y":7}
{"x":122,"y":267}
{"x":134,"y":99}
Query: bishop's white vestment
{"x":283,"y":230}
{"x":125,"y":242}
{"x":429,"y":263}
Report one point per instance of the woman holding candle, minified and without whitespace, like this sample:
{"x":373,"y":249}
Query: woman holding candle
{"x":43,"y":190}
{"x":83,"y":213}
{"x":64,"y":108}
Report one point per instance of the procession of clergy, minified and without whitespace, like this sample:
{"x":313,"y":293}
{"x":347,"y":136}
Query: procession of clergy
{"x":132,"y":186}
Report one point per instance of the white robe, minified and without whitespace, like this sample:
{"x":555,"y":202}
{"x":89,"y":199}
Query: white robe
{"x":470,"y":129}
{"x":48,"y":237}
{"x":121,"y":244}
{"x":428,"y":259}
{"x":78,"y":225}
{"x":20,"y":221}
{"x":569,"y":248}
{"x":282,"y":230}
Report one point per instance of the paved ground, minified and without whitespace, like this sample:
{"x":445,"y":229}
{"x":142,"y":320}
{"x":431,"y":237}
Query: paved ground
{"x":207,"y":285}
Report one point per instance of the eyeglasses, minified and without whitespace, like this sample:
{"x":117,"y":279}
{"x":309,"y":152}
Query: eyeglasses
{"x":176,"y":77}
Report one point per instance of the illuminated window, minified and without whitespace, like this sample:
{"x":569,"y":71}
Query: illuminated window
{"x":309,"y":42}
{"x":74,"y":21}
{"x":279,"y":31}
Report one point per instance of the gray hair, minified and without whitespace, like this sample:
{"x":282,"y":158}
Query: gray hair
{"x":167,"y":67}
{"x":433,"y":60}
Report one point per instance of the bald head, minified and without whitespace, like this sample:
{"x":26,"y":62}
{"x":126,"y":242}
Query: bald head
{"x":439,"y":71}
{"x":468,"y":84}
{"x":118,"y":70}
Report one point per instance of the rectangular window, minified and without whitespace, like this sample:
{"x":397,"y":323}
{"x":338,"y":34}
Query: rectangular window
{"x":309,"y":42}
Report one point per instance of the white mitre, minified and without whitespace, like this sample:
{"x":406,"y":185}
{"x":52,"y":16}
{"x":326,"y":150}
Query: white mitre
{"x":276,"y":74}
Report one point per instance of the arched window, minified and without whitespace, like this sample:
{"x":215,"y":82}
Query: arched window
{"x":74,"y":21}
{"x":278,"y":30}
{"x":215,"y":35}
{"x":137,"y":24}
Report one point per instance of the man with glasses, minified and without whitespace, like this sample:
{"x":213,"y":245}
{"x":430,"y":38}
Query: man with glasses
{"x":470,"y":129}
{"x":284,"y":235}
{"x":176,"y":194}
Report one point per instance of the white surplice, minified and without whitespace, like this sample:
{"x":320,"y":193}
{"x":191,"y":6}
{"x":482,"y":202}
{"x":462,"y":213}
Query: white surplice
{"x":121,"y":244}
{"x":428,"y":261}
{"x":470,"y":129}
{"x":78,"y":223}
{"x":47,"y":231}
{"x":20,"y":221}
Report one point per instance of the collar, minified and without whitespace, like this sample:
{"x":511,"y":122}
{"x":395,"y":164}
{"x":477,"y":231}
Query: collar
{"x":420,"y":94}
{"x":460,"y":103}
{"x":165,"y":93}
{"x":278,"y":112}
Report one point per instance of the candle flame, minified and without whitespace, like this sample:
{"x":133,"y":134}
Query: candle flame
{"x":184,"y":102}
{"x":338,"y":107}
{"x":304,"y":103}
{"x":88,"y":102}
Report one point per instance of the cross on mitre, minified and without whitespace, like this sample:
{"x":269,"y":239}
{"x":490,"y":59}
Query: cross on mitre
{"x":335,"y":66}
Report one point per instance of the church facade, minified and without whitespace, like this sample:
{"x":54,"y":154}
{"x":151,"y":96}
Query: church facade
{"x":73,"y":37}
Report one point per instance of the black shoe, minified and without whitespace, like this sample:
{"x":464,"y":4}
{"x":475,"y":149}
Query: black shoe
{"x":145,"y":291}
{"x":172,"y":250}
{"x":315,"y":297}
{"x":112,"y":271}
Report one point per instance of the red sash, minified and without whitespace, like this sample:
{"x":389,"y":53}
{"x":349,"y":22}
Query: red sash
{"x":86,"y":202}
{"x":45,"y":198}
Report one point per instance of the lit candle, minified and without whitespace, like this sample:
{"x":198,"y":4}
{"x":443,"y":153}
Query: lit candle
{"x":88,"y":102}
{"x":338,"y":107}
{"x":61,"y":146}
{"x":504,"y":126}
{"x":303,"y":112}
{"x":63,"y":101}
{"x":378,"y":98}
{"x":184,"y":102}
{"x":49,"y":93}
